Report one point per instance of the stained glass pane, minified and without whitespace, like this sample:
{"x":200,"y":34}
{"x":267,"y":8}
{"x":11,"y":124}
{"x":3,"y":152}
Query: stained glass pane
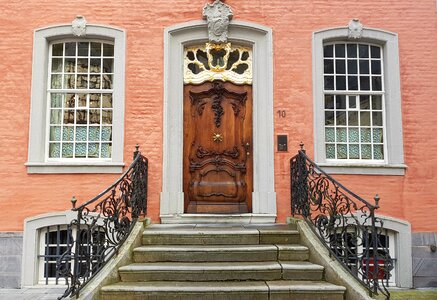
{"x":106,"y":133}
{"x":378,"y":152}
{"x":341,"y":151}
{"x":67,"y":150}
{"x":365,"y":135}
{"x":354,"y":151}
{"x":377,"y":135}
{"x":341,"y":135}
{"x":55,"y":150}
{"x":106,"y":150}
{"x":81,"y":133}
{"x":93,"y":150}
{"x":366,"y":152}
{"x":80,"y":150}
{"x":94,"y":133}
{"x":330,"y":151}
{"x":68,"y":133}
{"x":354,"y":136}
{"x":55,"y":133}
{"x":330,"y":134}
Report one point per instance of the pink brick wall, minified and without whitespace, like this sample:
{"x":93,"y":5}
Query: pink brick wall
{"x":412,"y":197}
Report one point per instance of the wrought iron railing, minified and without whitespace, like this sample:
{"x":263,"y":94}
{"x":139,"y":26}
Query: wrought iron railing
{"x":345,"y":223}
{"x":102,"y":225}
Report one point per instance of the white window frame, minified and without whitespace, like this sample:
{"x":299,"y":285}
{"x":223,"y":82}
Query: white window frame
{"x":393,"y":163}
{"x":37,"y":158}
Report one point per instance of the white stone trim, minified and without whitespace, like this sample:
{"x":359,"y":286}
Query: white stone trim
{"x":29,"y":268}
{"x":38,"y":108}
{"x":260,"y":38}
{"x":394,"y":164}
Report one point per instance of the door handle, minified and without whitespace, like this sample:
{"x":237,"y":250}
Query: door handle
{"x":247,"y":146}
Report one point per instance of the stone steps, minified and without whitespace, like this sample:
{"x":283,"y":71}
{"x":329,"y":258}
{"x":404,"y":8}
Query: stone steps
{"x":220,"y":271}
{"x":242,"y":290}
{"x":221,"y":262}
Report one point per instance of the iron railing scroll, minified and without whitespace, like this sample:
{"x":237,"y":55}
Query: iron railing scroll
{"x":345,"y":223}
{"x":102,"y":225}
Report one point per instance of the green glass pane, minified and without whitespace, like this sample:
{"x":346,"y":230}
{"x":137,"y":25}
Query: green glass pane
{"x":93,"y":150}
{"x":56,"y":82}
{"x":340,"y":117}
{"x":354,"y":151}
{"x":80,"y":150}
{"x":56,"y":64}
{"x":378,"y":151}
{"x":106,"y":150}
{"x":329,"y":118}
{"x":94,"y":82}
{"x":95,"y":100}
{"x":365,"y":135}
{"x":55,"y":133}
{"x":94,"y":116}
{"x":94,"y":134}
{"x":330,"y":151}
{"x":353,"y":118}
{"x":56,"y":100}
{"x":366,"y":152}
{"x":81,"y":133}
{"x":55,"y":116}
{"x":107,"y":81}
{"x":106,"y":133}
{"x":354,"y":136}
{"x":341,"y":151}
{"x":68,"y":133}
{"x":377,"y":135}
{"x":365,"y":118}
{"x":329,"y":134}
{"x":341,"y":135}
{"x":377,"y":118}
{"x":67,"y":150}
{"x":107,"y":100}
{"x":55,"y":150}
{"x":107,"y":117}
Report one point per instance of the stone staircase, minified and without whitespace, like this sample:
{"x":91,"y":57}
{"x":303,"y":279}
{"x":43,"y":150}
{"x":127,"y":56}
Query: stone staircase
{"x":221,"y":262}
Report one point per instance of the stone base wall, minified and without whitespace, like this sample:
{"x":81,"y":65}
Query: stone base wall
{"x":424,"y":259}
{"x":11,"y":250}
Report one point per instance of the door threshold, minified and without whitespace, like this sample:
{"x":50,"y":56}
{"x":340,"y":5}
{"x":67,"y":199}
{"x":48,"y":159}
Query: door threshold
{"x":248,"y":218}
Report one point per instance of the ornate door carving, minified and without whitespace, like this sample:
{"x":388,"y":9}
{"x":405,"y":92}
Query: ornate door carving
{"x":217,"y":147}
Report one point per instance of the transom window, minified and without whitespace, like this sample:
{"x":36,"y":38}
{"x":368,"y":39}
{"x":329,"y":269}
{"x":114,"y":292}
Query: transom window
{"x":353,"y":101}
{"x":80,"y":100}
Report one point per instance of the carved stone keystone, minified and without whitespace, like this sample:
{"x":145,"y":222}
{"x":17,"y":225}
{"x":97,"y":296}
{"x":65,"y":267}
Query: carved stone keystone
{"x":78,"y":26}
{"x":217,"y":16}
{"x":355,"y":29}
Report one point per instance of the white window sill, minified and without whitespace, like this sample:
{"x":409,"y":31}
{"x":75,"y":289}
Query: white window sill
{"x":73,"y":167}
{"x":363,"y":169}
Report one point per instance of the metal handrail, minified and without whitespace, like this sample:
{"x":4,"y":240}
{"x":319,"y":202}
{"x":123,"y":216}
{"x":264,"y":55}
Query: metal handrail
{"x":344,"y":222}
{"x":102,"y":225}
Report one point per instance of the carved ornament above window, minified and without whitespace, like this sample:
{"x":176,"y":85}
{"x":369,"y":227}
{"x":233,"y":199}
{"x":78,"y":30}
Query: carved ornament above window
{"x":223,"y":62}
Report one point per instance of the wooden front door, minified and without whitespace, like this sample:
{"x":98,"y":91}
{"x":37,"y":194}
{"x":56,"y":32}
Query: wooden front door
{"x":218,"y":163}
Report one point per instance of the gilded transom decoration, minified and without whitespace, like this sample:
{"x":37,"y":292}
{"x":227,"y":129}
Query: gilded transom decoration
{"x":224,"y":62}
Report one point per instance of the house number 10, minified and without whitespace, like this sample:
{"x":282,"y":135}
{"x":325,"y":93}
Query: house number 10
{"x":281,"y":113}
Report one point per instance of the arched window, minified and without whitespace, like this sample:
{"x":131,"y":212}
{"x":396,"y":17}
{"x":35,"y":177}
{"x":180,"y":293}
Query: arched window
{"x":77,"y":101}
{"x":357,"y":103}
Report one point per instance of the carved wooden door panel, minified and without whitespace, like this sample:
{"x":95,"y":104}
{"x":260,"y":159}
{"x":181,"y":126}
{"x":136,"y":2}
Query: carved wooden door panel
{"x":217,"y":148}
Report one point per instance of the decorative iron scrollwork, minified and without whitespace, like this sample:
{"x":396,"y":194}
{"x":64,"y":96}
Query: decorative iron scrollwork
{"x":102,"y":225}
{"x":345,"y":223}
